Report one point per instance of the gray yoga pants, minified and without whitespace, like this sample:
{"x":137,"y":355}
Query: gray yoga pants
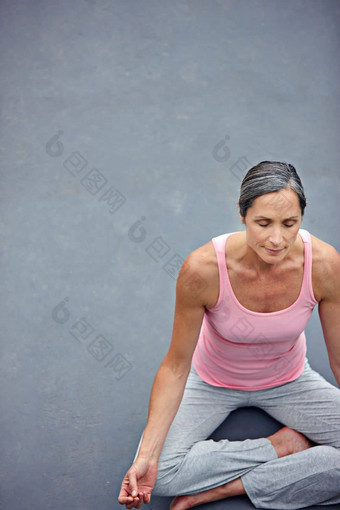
{"x":189,"y":463}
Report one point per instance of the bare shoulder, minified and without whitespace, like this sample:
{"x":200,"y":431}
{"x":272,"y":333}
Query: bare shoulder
{"x":199,"y":274}
{"x":326,"y":269}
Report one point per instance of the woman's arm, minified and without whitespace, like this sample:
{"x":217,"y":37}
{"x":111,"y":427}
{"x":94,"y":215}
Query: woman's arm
{"x":329,"y":308}
{"x":168,"y":387}
{"x":170,"y":380}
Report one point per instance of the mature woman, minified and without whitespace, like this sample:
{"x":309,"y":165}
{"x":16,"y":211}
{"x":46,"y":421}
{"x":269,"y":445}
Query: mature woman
{"x":243,"y":301}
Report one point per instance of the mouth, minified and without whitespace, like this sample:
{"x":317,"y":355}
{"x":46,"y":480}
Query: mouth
{"x":274,"y":252}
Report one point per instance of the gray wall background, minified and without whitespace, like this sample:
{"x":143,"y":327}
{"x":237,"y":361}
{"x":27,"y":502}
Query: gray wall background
{"x":126,"y":128}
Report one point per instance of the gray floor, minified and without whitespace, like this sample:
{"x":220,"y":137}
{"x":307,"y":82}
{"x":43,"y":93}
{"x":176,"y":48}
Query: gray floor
{"x":126,"y":127}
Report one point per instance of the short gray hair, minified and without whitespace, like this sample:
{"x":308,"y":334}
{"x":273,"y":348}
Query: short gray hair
{"x":266,"y":177}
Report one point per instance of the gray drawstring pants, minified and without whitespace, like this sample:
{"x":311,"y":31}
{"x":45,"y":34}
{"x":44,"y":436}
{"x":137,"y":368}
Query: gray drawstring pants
{"x":189,"y":463}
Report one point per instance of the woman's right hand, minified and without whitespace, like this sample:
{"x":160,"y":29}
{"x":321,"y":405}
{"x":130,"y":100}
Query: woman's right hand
{"x":138,"y":483}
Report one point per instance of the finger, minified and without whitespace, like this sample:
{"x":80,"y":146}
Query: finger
{"x":133,"y":485}
{"x":147,"y":498}
{"x":140,"y":495}
{"x":123,"y":500}
{"x":133,"y":504}
{"x":137,"y":502}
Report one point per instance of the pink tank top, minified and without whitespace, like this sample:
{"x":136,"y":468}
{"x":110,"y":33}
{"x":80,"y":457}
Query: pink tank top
{"x":245,"y":350}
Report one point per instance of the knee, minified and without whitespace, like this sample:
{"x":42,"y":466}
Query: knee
{"x":167,"y":470}
{"x":163,"y":485}
{"x":161,"y":488}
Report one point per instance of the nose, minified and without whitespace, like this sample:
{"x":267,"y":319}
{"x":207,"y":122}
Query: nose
{"x":276,"y":237}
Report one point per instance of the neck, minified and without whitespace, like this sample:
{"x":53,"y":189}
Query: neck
{"x":255,"y":262}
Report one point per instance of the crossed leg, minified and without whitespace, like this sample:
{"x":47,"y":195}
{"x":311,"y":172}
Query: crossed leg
{"x":309,"y":404}
{"x":286,"y":442}
{"x":189,"y":463}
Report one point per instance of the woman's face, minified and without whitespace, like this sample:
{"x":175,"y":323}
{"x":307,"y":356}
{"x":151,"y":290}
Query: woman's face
{"x":272,"y":224}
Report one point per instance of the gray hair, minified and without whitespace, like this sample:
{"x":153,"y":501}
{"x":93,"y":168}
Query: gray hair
{"x":266,"y":177}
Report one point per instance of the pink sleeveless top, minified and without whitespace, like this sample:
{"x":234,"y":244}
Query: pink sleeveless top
{"x":245,"y":350}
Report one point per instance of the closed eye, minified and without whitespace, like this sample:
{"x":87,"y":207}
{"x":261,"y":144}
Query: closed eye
{"x":286,"y":225}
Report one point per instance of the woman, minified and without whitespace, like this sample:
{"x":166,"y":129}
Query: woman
{"x":242,"y":303}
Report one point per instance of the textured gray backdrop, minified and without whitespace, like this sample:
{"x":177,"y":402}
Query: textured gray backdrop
{"x":126,"y":128}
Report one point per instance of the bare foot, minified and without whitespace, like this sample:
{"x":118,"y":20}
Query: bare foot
{"x":233,"y":488}
{"x":287,"y":441}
